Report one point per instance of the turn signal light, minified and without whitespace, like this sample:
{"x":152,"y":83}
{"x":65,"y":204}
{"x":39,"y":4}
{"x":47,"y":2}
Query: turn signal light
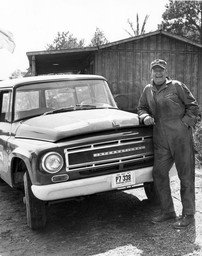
{"x":60,"y":178}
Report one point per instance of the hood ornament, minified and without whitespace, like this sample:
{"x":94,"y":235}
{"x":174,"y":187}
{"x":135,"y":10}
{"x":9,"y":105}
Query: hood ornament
{"x":115,"y":124}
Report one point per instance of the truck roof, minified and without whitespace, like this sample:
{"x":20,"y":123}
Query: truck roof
{"x":26,"y":80}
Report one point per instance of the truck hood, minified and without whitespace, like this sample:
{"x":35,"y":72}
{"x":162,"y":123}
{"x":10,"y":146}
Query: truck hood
{"x":58,"y":126}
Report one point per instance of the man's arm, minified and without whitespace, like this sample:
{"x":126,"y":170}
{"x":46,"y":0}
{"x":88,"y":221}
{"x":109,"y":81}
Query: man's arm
{"x":191,"y":105}
{"x":143,"y":110}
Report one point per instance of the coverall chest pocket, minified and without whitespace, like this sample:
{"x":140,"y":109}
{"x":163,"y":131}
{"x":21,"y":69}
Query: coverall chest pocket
{"x":170,"y":104}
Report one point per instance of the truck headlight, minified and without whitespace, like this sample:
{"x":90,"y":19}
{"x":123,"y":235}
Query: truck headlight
{"x":52,"y":162}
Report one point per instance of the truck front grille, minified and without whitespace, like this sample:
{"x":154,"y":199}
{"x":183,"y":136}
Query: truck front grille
{"x":110,"y":153}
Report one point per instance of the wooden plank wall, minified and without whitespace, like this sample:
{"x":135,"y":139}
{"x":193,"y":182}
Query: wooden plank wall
{"x":127,"y":66}
{"x":199,"y":92}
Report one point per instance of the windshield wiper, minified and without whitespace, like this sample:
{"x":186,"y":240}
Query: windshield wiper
{"x":59,"y":110}
{"x":85,"y":106}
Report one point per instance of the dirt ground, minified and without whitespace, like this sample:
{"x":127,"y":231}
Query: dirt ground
{"x":112,"y":224}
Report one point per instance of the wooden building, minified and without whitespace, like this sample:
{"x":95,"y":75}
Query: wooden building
{"x":126,"y":63}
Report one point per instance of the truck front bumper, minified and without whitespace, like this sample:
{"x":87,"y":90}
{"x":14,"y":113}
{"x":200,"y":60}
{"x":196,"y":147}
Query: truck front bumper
{"x":88,"y":186}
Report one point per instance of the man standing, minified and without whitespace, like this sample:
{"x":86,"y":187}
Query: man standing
{"x":170,"y":107}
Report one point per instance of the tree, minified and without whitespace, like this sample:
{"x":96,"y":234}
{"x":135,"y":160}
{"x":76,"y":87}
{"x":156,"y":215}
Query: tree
{"x":98,"y":38}
{"x":184,"y":18}
{"x":137,"y":31}
{"x":65,"y":40}
{"x":16,"y":74}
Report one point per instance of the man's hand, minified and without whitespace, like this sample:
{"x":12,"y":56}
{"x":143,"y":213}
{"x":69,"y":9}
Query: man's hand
{"x":148,"y":120}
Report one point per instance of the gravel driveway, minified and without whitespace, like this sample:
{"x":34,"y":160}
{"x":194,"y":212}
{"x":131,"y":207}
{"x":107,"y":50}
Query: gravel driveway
{"x":112,"y":224}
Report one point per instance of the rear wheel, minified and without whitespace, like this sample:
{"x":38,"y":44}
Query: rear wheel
{"x":151,"y":192}
{"x":35,"y":208}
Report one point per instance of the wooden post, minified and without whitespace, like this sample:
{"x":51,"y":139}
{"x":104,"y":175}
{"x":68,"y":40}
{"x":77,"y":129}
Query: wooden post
{"x":33,"y":66}
{"x":200,"y":81}
{"x":200,"y":4}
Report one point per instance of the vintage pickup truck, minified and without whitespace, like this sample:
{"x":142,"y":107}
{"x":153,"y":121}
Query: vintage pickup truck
{"x":63,"y":136}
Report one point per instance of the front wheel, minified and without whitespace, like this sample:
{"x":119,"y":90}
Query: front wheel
{"x":35,"y":208}
{"x":151,"y":192}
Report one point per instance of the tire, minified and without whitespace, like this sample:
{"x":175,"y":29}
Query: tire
{"x":35,"y":208}
{"x":2,"y":182}
{"x":151,"y":192}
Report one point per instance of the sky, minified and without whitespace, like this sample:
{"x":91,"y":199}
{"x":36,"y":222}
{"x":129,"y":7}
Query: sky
{"x":35,"y":23}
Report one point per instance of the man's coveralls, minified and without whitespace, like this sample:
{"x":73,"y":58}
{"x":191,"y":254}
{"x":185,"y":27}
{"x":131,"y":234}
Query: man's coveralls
{"x":175,"y":111}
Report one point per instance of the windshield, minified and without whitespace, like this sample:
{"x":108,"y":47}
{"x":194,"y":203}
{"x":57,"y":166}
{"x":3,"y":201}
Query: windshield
{"x":37,"y":99}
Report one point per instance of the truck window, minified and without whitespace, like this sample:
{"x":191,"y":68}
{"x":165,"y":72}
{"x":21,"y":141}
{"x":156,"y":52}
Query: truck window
{"x":83,"y":94}
{"x":37,"y":99}
{"x":5,"y":107}
{"x":59,"y":98}
{"x":26,"y":100}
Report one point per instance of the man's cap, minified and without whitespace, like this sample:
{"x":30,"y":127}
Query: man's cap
{"x":160,"y":63}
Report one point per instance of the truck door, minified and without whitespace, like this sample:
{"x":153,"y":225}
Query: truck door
{"x":5,"y":128}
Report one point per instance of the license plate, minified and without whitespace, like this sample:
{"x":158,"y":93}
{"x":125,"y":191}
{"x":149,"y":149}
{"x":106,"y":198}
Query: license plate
{"x":123,"y":179}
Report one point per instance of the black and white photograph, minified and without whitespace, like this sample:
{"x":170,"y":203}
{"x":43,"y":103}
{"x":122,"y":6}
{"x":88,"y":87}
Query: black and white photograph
{"x":101,"y":128}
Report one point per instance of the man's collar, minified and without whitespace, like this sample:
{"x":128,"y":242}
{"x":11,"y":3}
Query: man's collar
{"x":163,"y":86}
